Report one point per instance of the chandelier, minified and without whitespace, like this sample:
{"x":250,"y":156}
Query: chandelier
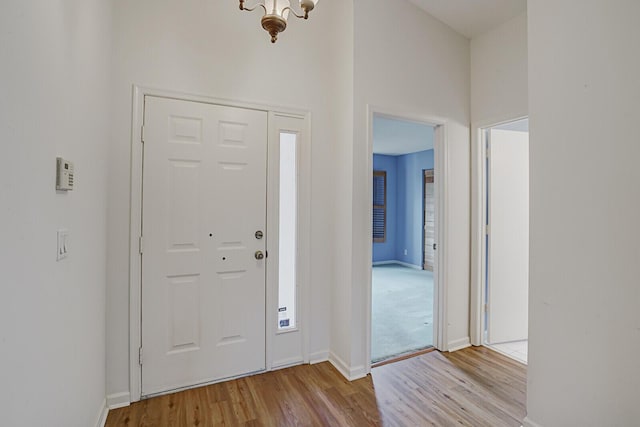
{"x":276,"y":13}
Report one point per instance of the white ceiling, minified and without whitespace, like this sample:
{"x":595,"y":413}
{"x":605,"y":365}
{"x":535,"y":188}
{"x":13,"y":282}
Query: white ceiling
{"x":395,"y":137}
{"x":473,"y":17}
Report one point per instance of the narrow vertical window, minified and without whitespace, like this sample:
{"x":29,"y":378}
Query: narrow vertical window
{"x":288,"y":232}
{"x":379,"y":206}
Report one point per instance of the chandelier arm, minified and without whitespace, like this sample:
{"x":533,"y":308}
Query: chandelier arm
{"x":305,"y":16}
{"x":251,"y":9}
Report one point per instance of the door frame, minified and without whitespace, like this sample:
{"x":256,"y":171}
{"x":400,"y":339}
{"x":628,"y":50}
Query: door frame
{"x":478,"y":221}
{"x":304,"y":223}
{"x":424,"y":216}
{"x":440,"y":170}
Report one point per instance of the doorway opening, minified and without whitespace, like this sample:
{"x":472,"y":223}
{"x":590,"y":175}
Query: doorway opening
{"x":404,"y":238}
{"x":505,"y":287}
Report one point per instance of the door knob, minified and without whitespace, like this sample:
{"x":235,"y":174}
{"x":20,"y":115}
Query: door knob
{"x":259,"y":255}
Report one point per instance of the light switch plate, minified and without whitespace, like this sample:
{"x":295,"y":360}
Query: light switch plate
{"x":63,"y":244}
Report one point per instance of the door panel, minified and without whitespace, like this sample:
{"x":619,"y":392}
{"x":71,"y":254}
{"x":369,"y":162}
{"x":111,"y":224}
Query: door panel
{"x":429,"y":220}
{"x":204,"y":197}
{"x":508,"y":254}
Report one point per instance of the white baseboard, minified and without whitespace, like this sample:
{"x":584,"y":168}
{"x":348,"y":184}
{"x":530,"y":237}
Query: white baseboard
{"x":404,"y":264}
{"x":528,"y":423}
{"x":286,"y":363}
{"x":384,"y":262}
{"x":101,"y":418}
{"x":348,"y":372}
{"x":357,"y":372}
{"x":459,"y":344}
{"x":319,"y":357}
{"x":339,"y":364}
{"x":118,"y":400}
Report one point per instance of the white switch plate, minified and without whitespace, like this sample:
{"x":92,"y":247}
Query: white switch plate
{"x":63,"y":244}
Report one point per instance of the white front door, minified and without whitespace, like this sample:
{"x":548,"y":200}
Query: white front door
{"x":203,"y":278}
{"x":508,"y":252}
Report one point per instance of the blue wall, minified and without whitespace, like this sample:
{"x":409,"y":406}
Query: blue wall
{"x":410,"y":215}
{"x":387,"y":251}
{"x":404,"y":206}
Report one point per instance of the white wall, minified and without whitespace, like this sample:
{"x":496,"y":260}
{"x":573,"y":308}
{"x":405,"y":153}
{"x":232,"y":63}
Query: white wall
{"x":211,"y":48}
{"x":499,"y":73}
{"x":584,"y":336}
{"x":405,"y":61}
{"x":55,"y":101}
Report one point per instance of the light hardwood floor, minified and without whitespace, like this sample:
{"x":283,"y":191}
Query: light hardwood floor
{"x":471,"y":387}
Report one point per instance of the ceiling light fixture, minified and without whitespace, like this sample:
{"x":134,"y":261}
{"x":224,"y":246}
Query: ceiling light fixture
{"x":276,"y":13}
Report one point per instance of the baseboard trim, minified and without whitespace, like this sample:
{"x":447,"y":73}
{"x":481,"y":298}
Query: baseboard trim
{"x":404,"y":264}
{"x":527,"y":422}
{"x":103,"y":412}
{"x":319,"y":357}
{"x":118,"y":400}
{"x":459,"y":344}
{"x":357,"y":372}
{"x":351,"y":374}
{"x":384,"y":263}
{"x":286,"y":363}
{"x":339,"y":364}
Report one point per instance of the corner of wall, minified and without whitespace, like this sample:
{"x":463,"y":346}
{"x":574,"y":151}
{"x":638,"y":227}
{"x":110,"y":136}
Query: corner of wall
{"x":319,"y":357}
{"x":351,"y":373}
{"x":103,"y":412}
{"x":458,"y":344}
{"x":118,"y":400}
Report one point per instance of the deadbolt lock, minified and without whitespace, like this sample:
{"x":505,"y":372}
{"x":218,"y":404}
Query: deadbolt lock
{"x":259,"y":234}
{"x":259,"y":255}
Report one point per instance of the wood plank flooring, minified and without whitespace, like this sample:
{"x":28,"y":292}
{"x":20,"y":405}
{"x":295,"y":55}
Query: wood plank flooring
{"x":472,"y":387}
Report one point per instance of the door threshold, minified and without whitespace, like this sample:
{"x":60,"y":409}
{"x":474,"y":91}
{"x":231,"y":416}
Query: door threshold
{"x":205,"y":383}
{"x":403,"y":357}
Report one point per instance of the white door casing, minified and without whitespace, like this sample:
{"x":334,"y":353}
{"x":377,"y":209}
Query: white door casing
{"x":508,"y":237}
{"x":204,"y":197}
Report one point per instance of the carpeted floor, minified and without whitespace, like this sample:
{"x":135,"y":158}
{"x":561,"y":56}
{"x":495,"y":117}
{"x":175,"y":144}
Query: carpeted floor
{"x":402,"y":311}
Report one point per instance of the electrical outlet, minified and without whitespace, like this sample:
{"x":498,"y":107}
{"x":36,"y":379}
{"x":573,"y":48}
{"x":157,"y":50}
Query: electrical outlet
{"x":63,"y":244}
{"x":406,"y":252}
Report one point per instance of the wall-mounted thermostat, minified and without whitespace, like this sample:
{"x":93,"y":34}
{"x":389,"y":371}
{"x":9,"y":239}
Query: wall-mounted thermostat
{"x":64,"y":174}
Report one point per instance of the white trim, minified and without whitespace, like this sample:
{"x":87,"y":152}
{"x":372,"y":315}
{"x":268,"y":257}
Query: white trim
{"x":440,"y":273}
{"x":459,"y":344}
{"x":339,"y":364}
{"x":135,"y":231}
{"x":135,"y":219}
{"x":528,"y":422}
{"x":404,"y":264}
{"x":319,"y":357}
{"x":118,"y":400}
{"x":478,"y":220}
{"x":103,"y":413}
{"x":284,"y":122}
{"x":441,"y":170}
{"x":286,"y":363}
{"x":350,"y":373}
{"x":385,"y":262}
{"x":357,"y":372}
{"x":504,"y":353}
